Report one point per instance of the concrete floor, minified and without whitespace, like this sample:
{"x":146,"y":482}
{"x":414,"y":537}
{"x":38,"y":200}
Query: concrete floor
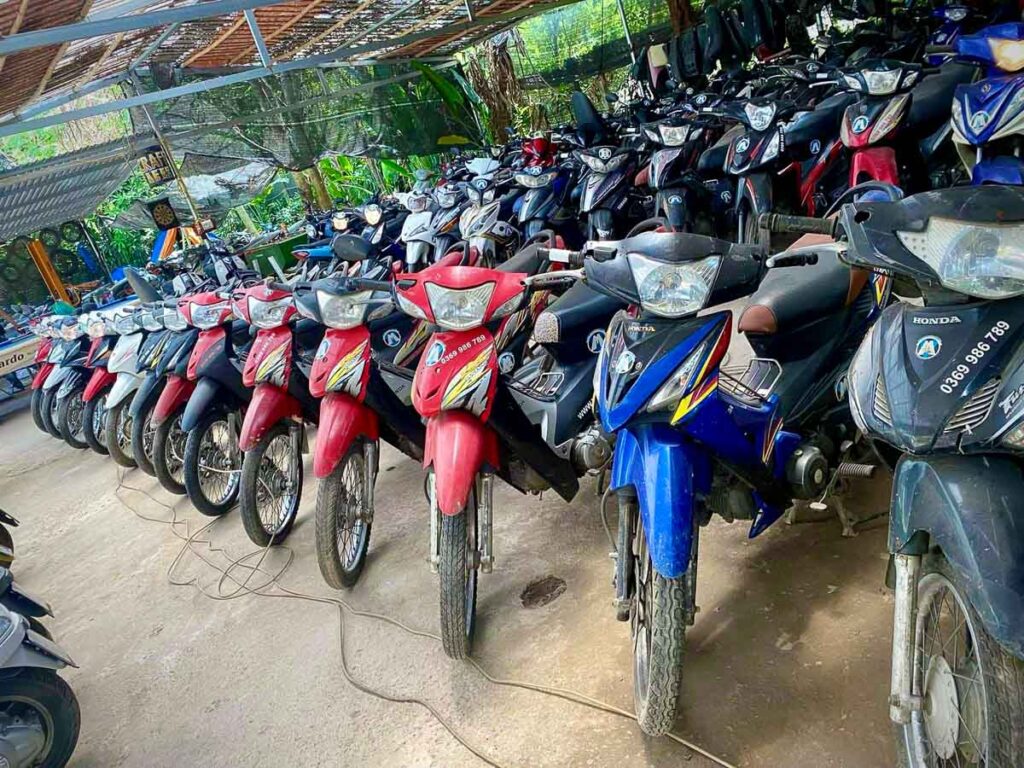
{"x":786,"y":665}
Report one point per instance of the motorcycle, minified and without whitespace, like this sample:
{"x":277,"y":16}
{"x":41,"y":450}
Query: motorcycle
{"x":6,"y":540}
{"x":101,"y":381}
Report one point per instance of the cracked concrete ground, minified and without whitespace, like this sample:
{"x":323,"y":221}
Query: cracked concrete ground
{"x":786,"y":666}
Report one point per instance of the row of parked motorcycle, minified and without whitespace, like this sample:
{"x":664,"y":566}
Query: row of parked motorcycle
{"x":575,"y":327}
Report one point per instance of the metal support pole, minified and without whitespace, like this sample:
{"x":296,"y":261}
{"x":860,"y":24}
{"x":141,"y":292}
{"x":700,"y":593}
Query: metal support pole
{"x":469,"y":9}
{"x":257,"y":37}
{"x":625,"y":29}
{"x":182,"y":187}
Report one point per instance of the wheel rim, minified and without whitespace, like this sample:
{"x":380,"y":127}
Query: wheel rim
{"x":28,"y":726}
{"x":148,"y":435}
{"x":277,"y":481}
{"x":951,"y":728}
{"x":174,"y":456}
{"x":351,"y":527}
{"x":99,"y":416}
{"x":220,"y":463}
{"x":640,"y":619}
{"x":76,"y":422}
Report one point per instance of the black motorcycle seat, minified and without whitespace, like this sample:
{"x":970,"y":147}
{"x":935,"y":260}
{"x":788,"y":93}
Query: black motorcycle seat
{"x":791,"y":297}
{"x":930,"y":99}
{"x":530,"y":260}
{"x":820,"y":123}
{"x":351,"y":248}
{"x":581,"y":308}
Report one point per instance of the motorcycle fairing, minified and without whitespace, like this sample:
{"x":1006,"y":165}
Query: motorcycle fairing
{"x":343,"y":418}
{"x":152,"y":349}
{"x":970,"y":508}
{"x":39,"y":380}
{"x":270,"y":359}
{"x":72,"y":382}
{"x":177,"y":351}
{"x":125,"y":356}
{"x":860,"y":117}
{"x":270,"y":404}
{"x":560,"y":414}
{"x":747,"y":151}
{"x":149,"y":390}
{"x":342,"y":363}
{"x":917,"y":404}
{"x":175,"y":395}
{"x":988,"y":110}
{"x":537,"y":203}
{"x":99,"y":351}
{"x":43,"y":351}
{"x":459,"y":370}
{"x":598,"y":187}
{"x":56,"y":378}
{"x":998,"y":170}
{"x":874,"y":164}
{"x":100,"y":380}
{"x":126,"y":384}
{"x":209,"y":343}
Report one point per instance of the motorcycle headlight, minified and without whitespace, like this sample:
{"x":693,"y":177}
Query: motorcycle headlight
{"x":890,"y":117}
{"x":339,"y":222}
{"x":70,"y":332}
{"x":208,"y":316}
{"x":672,"y":391}
{"x":416,"y":203}
{"x":530,"y":181}
{"x":446,"y":199}
{"x":477,"y":221}
{"x":457,"y":309}
{"x":981,"y":260}
{"x":152,"y":320}
{"x":1007,"y":54}
{"x":345,"y":311}
{"x":956,"y":14}
{"x":125,"y":324}
{"x":672,"y":135}
{"x":174,"y":320}
{"x":603,"y":166}
{"x":673,"y":290}
{"x":269,"y":314}
{"x":881,"y":83}
{"x":408,"y":307}
{"x":311,"y":233}
{"x":772,"y":150}
{"x":759,"y":117}
{"x":373,"y":214}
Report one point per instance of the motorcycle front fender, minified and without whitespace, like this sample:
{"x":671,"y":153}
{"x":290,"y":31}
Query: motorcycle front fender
{"x":125,"y":385}
{"x":149,"y":391}
{"x":970,"y":508}
{"x":666,"y":474}
{"x":100,"y":380}
{"x":342,"y":420}
{"x":24,"y":648}
{"x":458,"y":445}
{"x":72,"y":382}
{"x":41,"y":375}
{"x":269,"y":405}
{"x":56,"y":377}
{"x":175,"y":395}
{"x":206,"y":395}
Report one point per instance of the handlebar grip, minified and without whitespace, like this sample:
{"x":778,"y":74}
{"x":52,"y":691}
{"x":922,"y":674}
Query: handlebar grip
{"x":365,"y":284}
{"x":280,"y":286}
{"x":800,"y":225}
{"x":940,"y":49}
{"x":792,"y":260}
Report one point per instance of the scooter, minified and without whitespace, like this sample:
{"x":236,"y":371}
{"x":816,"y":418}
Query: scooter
{"x":6,"y":540}
{"x":43,"y":369}
{"x":124,"y":362}
{"x":39,"y":715}
{"x":68,"y":357}
{"x":101,"y":381}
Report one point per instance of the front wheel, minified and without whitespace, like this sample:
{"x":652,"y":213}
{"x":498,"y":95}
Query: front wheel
{"x":48,"y":411}
{"x":143,"y":436}
{"x":212,"y":464}
{"x":94,"y":424}
{"x":40,"y":708}
{"x":169,"y":454}
{"x":37,"y":409}
{"x":119,"y":433}
{"x":343,"y":521}
{"x":271,"y":489}
{"x":71,"y":420}
{"x":658,"y":624}
{"x":972,"y":689}
{"x":458,"y":577}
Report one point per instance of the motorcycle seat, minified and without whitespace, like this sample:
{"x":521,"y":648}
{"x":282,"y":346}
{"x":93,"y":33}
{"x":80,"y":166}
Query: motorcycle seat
{"x":529,"y":260}
{"x":791,"y":297}
{"x":580,"y":308}
{"x":930,"y":99}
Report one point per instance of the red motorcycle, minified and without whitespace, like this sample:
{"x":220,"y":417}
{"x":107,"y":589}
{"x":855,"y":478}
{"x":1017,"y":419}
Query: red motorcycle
{"x":94,"y":417}
{"x":44,"y":366}
{"x":273,"y":433}
{"x":169,"y":439}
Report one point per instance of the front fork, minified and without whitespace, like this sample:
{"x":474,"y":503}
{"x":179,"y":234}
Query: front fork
{"x":483,"y":558}
{"x":902,"y":702}
{"x":370,"y":460}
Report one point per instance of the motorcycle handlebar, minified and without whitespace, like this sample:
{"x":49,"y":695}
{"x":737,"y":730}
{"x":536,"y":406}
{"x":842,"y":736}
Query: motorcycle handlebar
{"x":792,"y":260}
{"x":939,"y":49}
{"x":800,"y":225}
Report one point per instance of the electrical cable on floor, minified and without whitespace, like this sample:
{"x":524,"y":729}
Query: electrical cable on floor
{"x":271,"y":580}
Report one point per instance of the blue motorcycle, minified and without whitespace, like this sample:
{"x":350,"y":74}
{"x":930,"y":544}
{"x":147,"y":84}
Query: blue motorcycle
{"x":694,"y":438}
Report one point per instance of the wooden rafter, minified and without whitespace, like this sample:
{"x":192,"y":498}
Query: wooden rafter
{"x":16,"y":26}
{"x":224,"y":35}
{"x":57,"y":56}
{"x":493,"y":9}
{"x":107,"y":52}
{"x":330,"y":30}
{"x":271,"y":35}
{"x":433,"y":17}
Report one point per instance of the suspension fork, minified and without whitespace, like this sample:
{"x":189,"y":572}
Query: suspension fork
{"x":370,"y":459}
{"x":483,"y":558}
{"x":902,"y":702}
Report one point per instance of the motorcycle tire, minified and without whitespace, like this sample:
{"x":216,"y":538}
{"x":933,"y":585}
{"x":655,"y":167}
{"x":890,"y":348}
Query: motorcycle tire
{"x":458,"y":580}
{"x":36,"y":406}
{"x":658,"y":653}
{"x":71,"y":420}
{"x":43,"y":691}
{"x":994,"y":708}
{"x":342,"y":529}
{"x":49,"y":412}
{"x":199,"y":447}
{"x":94,"y":424}
{"x":118,"y":435}
{"x":259,"y":468}
{"x":6,"y":548}
{"x":143,"y":434}
{"x":169,"y":455}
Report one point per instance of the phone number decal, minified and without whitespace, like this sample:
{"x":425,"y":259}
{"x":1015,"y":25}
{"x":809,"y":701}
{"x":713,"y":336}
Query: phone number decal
{"x":975,"y":356}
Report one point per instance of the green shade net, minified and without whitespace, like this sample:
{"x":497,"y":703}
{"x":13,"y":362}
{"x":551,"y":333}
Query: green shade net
{"x":293,"y":119}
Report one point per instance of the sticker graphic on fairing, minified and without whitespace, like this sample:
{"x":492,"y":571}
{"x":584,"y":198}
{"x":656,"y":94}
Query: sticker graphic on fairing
{"x":595,"y":341}
{"x":392,"y":337}
{"x":951,"y":320}
{"x":624,"y":362}
{"x":972,"y":358}
{"x":860,"y":124}
{"x":506,"y":362}
{"x":435,"y":353}
{"x":323,"y":349}
{"x":928,"y":347}
{"x":1012,"y":400}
